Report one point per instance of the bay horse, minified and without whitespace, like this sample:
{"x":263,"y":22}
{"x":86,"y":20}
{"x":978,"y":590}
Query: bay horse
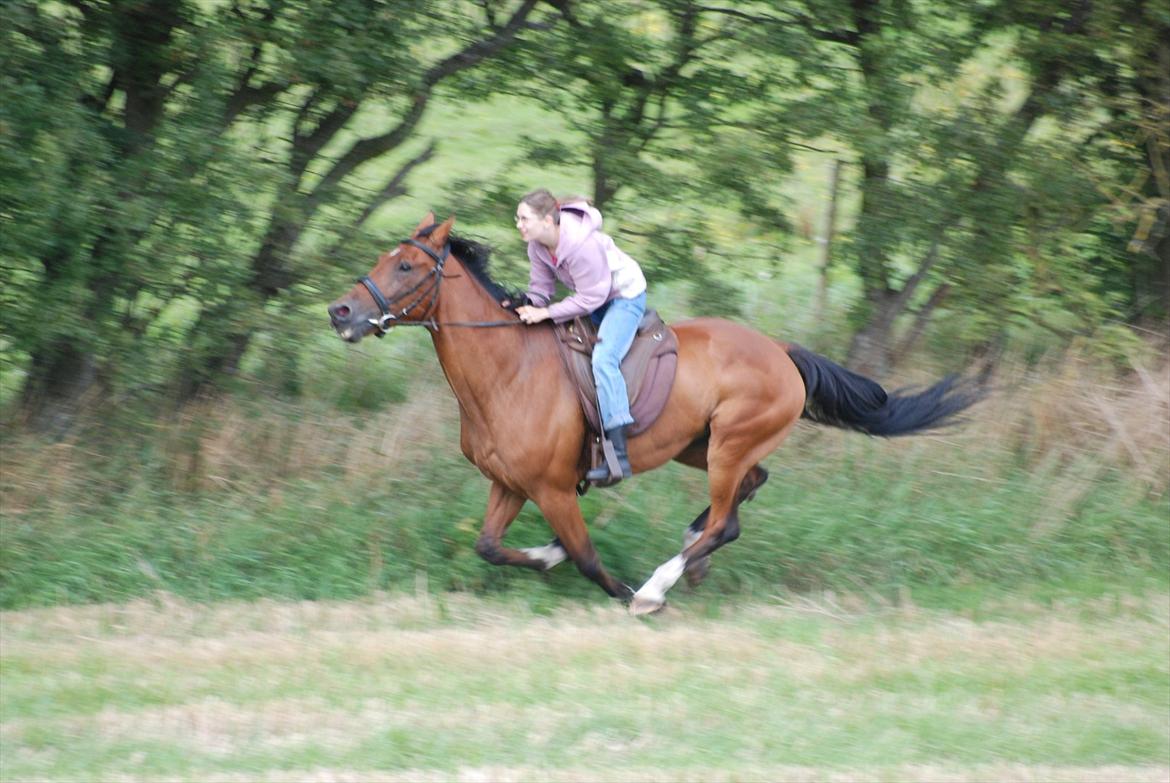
{"x":736,"y":396}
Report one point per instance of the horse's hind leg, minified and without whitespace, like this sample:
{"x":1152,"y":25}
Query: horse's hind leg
{"x":747,"y":491}
{"x":696,"y":457}
{"x":696,"y":570}
{"x":721,"y":527}
{"x":503,"y":506}
{"x":732,"y":455}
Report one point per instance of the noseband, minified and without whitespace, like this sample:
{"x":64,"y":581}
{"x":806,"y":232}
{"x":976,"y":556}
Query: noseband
{"x":434,"y":277}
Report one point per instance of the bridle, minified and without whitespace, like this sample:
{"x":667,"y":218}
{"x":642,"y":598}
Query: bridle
{"x":387,"y":315}
{"x":388,"y":318}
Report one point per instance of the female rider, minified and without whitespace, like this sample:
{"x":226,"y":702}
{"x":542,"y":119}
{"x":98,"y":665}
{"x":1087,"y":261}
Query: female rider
{"x":565,"y":243}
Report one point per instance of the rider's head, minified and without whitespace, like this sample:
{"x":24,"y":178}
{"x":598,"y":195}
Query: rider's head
{"x":537,"y":217}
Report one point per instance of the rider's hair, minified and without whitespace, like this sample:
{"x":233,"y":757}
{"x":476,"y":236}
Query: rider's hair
{"x":544,"y":203}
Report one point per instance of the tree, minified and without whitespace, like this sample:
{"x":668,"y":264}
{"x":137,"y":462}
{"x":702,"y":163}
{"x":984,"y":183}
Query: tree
{"x":1134,"y":147}
{"x":967,"y":197}
{"x":657,"y":97}
{"x":346,"y":60}
{"x":111,"y":145}
{"x":169,"y":157}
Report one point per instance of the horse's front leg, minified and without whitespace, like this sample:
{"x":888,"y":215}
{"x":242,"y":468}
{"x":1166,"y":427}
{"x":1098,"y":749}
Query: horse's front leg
{"x":503,"y":507}
{"x":563,"y":515}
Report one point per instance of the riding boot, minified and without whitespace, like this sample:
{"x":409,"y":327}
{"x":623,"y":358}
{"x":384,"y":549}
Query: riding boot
{"x":601,"y":475}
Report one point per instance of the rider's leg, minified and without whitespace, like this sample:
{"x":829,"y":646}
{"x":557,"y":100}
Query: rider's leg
{"x":616,"y":335}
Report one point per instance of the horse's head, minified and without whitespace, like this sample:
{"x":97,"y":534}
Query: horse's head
{"x":402,"y":286}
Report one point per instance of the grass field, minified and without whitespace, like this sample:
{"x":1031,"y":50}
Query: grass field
{"x":459,"y":688}
{"x":1056,"y":479}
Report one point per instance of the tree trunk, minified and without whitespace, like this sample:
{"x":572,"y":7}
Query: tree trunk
{"x":603,"y":186}
{"x":871,"y":349}
{"x":921,"y":319}
{"x":216,"y":359}
{"x":826,"y":242}
{"x":60,"y":377}
{"x":603,"y":190}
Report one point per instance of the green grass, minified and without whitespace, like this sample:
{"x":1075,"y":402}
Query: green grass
{"x":840,"y":511}
{"x":429,"y":688}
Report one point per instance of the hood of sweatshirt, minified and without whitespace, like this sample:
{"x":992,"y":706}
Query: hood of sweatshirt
{"x":579,"y":219}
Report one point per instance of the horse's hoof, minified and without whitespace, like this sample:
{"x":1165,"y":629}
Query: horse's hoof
{"x":641,"y":605}
{"x":697,"y":570}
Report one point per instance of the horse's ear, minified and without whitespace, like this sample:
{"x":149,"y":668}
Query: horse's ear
{"x":438,"y":237}
{"x":429,"y":220}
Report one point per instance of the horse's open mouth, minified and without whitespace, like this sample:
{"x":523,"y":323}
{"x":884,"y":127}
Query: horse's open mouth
{"x":351,"y":333}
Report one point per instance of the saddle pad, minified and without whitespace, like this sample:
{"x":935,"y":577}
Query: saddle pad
{"x":648,"y":368}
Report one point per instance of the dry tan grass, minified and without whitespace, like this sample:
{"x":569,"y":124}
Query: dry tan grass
{"x":33,"y":472}
{"x":238,"y":449}
{"x":1082,"y":413}
{"x":1077,"y":422}
{"x":165,"y":617}
{"x":178,"y":636}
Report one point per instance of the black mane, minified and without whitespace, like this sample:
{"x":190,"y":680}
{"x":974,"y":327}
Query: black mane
{"x":475,"y":256}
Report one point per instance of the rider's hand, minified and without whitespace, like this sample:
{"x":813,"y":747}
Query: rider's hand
{"x":532,"y":315}
{"x":515,"y":302}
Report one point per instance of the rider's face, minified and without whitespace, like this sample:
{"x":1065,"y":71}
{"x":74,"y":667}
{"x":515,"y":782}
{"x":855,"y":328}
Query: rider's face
{"x":531,"y":226}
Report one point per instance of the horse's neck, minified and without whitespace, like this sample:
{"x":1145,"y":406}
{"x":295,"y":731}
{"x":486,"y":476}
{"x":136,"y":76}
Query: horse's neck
{"x":480,"y":363}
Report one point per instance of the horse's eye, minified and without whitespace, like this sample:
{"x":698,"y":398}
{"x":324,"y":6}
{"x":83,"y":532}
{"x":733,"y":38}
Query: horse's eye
{"x":404,"y":266}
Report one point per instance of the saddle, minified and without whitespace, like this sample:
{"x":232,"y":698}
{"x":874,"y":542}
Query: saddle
{"x":648,"y":369}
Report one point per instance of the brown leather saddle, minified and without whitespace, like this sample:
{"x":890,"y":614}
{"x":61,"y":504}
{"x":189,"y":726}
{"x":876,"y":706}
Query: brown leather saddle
{"x":648,"y":369}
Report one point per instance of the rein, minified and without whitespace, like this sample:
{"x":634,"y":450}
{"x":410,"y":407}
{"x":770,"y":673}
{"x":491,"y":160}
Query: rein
{"x":389,"y":319}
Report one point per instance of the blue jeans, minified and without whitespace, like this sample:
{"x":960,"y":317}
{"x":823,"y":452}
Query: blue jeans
{"x":618,"y":319}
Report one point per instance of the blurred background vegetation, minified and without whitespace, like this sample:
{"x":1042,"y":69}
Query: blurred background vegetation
{"x":908,"y":186}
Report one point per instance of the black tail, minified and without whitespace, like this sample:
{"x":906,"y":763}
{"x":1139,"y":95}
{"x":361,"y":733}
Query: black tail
{"x":840,"y":398}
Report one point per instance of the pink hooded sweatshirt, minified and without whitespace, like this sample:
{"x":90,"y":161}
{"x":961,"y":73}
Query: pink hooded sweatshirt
{"x":587,"y":261}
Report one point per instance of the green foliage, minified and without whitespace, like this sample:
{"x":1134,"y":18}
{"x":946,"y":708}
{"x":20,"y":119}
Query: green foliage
{"x":172,"y":171}
{"x":656,"y":105}
{"x":186,"y":179}
{"x":979,"y":133}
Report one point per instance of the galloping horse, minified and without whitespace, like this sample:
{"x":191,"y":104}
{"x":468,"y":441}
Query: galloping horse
{"x":737,"y":394}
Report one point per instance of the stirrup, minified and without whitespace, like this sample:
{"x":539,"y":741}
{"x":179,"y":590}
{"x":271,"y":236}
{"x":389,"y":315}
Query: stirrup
{"x":612,"y":470}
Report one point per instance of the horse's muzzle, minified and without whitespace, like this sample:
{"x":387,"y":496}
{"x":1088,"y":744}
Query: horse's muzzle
{"x":346,"y":322}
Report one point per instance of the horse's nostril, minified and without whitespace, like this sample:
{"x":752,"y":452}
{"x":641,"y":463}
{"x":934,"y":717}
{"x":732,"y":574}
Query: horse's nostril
{"x":343,"y":312}
{"x":339,"y":312}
